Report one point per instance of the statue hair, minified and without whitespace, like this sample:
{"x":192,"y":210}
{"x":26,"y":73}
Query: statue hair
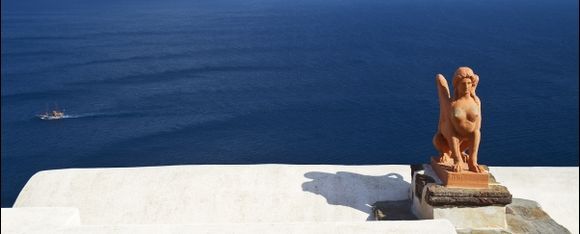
{"x":462,"y":73}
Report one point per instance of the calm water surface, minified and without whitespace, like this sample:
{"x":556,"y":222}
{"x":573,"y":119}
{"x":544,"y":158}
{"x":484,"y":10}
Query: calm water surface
{"x":267,"y":81}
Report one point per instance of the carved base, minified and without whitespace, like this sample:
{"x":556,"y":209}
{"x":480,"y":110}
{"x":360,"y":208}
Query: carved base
{"x":464,"y":179}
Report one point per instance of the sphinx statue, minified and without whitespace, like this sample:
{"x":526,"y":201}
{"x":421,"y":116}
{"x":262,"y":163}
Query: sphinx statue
{"x":458,"y":133}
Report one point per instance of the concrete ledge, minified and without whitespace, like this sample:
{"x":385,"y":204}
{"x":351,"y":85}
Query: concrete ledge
{"x":217,"y":193}
{"x":183,"y":197}
{"x":554,"y":188}
{"x":425,"y":226}
{"x":38,"y":219}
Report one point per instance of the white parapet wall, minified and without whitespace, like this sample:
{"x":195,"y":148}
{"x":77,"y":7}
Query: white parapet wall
{"x":218,"y":193}
{"x":311,"y":198}
{"x":38,"y":219}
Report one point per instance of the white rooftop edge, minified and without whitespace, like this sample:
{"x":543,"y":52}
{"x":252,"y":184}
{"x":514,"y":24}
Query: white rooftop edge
{"x":252,"y":198}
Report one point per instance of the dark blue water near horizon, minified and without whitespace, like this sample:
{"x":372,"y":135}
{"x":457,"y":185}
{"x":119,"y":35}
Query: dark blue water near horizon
{"x":150,"y":83}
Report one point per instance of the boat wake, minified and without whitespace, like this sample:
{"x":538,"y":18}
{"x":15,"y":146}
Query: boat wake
{"x":69,"y":117}
{"x":85,"y":116}
{"x":81,"y":116}
{"x":98,"y":115}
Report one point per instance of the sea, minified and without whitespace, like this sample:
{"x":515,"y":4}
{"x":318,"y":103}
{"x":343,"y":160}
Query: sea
{"x":349,"y":82}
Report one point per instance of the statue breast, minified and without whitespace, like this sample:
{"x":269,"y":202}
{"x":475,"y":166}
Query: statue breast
{"x":465,"y":115}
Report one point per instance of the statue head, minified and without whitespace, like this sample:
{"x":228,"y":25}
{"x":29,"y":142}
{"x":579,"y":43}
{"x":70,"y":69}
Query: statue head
{"x":464,"y":82}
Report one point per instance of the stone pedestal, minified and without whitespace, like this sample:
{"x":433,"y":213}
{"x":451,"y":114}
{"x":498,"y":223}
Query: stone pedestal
{"x":466,"y":208}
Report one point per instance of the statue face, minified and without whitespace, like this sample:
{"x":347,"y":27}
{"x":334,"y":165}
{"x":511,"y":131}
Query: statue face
{"x":465,"y":86}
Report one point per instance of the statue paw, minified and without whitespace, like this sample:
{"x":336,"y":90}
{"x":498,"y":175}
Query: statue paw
{"x":477,"y":168}
{"x":458,"y":167}
{"x":444,"y":158}
{"x":465,"y":157}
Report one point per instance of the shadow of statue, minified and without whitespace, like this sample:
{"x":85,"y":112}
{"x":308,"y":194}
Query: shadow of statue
{"x":355,"y":190}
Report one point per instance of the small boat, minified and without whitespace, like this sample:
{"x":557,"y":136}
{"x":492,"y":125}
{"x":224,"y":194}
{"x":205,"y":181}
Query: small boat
{"x":52,"y":115}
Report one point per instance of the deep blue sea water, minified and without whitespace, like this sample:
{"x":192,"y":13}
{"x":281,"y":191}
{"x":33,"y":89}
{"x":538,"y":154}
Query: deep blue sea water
{"x":269,"y":81}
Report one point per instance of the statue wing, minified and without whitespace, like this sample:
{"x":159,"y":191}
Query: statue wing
{"x":443,"y":91}
{"x":475,"y":82}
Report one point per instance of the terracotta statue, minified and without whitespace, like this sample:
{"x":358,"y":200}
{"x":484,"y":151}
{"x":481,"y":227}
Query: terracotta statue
{"x":458,"y":134}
